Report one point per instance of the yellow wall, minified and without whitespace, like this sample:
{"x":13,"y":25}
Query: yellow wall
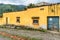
{"x":26,"y":16}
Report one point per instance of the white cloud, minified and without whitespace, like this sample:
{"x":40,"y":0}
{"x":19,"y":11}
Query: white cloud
{"x":29,"y":1}
{"x":50,"y":1}
{"x":25,"y":2}
{"x":9,"y":2}
{"x":17,"y":2}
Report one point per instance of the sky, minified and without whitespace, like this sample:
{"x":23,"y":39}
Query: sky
{"x":26,"y":2}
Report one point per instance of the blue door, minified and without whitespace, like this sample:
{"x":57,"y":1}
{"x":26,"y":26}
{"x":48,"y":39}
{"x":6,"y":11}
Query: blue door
{"x":53,"y":23}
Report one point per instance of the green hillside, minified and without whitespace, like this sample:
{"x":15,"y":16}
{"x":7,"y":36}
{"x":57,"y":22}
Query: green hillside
{"x":11,"y":8}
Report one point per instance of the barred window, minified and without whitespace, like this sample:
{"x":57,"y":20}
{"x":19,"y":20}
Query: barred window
{"x":35,"y":21}
{"x":18,"y":19}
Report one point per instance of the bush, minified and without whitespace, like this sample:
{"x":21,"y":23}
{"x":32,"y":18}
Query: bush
{"x":22,"y":27}
{"x":1,"y":26}
{"x":43,"y":30}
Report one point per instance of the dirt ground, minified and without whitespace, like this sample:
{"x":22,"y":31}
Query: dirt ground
{"x":33,"y":34}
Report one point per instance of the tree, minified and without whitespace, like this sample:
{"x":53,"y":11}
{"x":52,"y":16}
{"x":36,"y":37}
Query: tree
{"x":31,"y":5}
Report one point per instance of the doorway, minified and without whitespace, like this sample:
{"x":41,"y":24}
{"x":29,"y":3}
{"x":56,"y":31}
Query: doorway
{"x":53,"y":23}
{"x":6,"y":20}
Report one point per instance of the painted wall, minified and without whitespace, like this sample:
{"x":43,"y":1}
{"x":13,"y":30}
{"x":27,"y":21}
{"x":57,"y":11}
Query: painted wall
{"x":26,"y":16}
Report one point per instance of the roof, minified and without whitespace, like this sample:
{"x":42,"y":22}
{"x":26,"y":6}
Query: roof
{"x":46,"y":4}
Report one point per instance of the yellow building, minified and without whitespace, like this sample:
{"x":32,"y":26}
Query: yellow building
{"x":47,"y":17}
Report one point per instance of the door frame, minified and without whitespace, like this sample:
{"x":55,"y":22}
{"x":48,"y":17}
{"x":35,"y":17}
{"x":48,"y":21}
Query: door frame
{"x":6,"y":20}
{"x":52,"y":17}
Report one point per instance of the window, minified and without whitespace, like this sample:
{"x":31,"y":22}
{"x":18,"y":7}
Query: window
{"x":42,"y":9}
{"x":18,"y":19}
{"x":52,"y":10}
{"x":35,"y":21}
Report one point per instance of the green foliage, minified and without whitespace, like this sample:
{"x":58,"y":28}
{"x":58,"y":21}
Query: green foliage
{"x":31,"y":5}
{"x":1,"y":26}
{"x":11,"y":8}
{"x":43,"y":30}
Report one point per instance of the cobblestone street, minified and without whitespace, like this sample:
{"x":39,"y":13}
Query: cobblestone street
{"x":33,"y":34}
